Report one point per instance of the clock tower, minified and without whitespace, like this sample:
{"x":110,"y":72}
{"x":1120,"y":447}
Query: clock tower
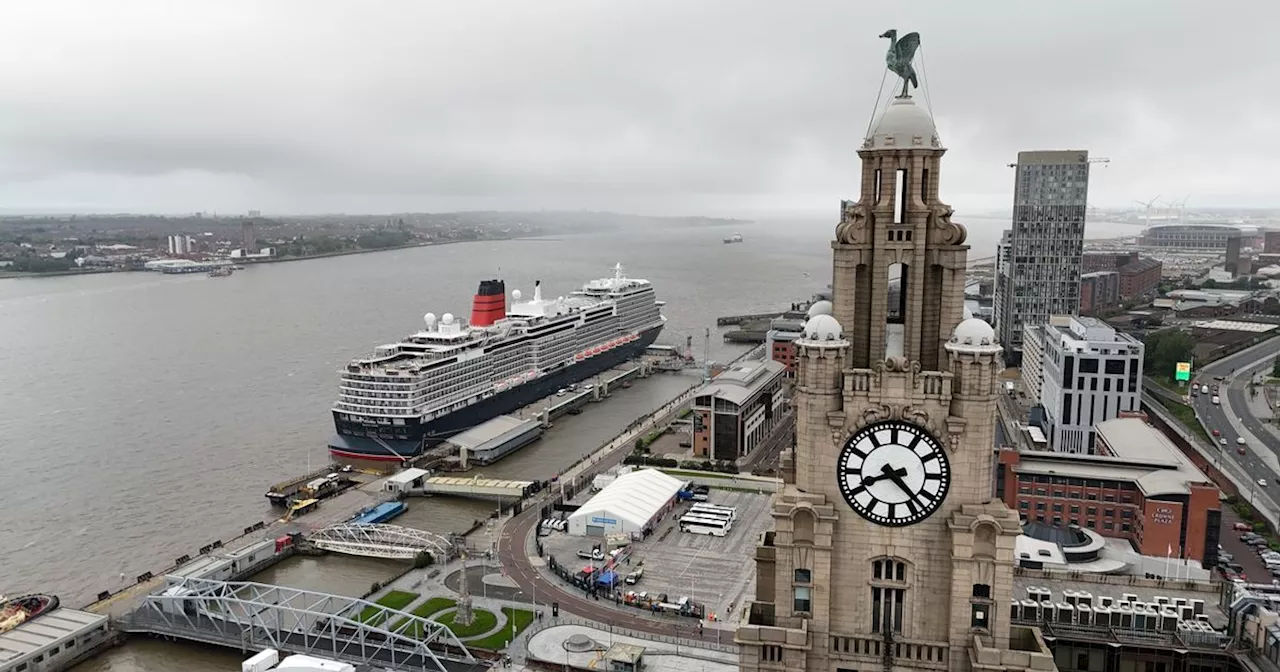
{"x":890,"y":549}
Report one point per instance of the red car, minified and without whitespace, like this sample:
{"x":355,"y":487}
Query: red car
{"x":1216,"y":433}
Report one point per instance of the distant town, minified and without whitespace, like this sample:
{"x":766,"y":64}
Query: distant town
{"x":73,"y":244}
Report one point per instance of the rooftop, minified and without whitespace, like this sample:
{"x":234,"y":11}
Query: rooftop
{"x":903,"y":125}
{"x":46,"y":630}
{"x":741,"y":381}
{"x":488,"y":431}
{"x":1140,"y":453}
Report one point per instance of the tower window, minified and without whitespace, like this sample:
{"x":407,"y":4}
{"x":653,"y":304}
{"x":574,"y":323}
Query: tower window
{"x":804,"y":576}
{"x":980,"y":607}
{"x":900,"y":196}
{"x":878,"y":186}
{"x":888,"y":602}
{"x":801,"y":601}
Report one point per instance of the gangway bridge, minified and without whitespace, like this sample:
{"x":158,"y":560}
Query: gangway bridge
{"x":474,"y":487}
{"x":381,"y":541}
{"x":255,"y":616}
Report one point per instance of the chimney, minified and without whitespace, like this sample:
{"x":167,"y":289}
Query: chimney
{"x":489,"y":304}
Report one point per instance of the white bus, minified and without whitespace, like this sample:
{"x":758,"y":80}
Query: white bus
{"x":711,"y":526}
{"x":718,"y":515}
{"x":713,"y":508}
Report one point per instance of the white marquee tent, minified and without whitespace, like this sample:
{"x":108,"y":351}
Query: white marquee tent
{"x":627,"y":505}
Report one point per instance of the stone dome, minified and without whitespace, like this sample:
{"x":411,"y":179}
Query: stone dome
{"x":823,"y":329}
{"x":823,"y":307}
{"x":974,"y":333}
{"x":904,"y":125}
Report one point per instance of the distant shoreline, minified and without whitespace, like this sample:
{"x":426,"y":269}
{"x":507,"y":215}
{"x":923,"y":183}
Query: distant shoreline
{"x":4,"y":275}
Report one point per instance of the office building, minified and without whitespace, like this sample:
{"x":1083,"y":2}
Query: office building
{"x":738,"y":409}
{"x":1139,"y":486}
{"x":1092,"y":374}
{"x":1033,"y":354}
{"x":1099,"y":290}
{"x":1139,"y":276}
{"x":249,"y":236}
{"x":1044,"y":244}
{"x":1232,"y":264}
{"x":780,"y":342}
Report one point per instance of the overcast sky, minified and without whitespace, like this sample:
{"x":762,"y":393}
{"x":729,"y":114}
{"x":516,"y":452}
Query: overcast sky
{"x":739,"y":107}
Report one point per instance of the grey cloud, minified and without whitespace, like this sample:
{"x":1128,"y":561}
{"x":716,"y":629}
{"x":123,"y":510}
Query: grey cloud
{"x":717,"y":106}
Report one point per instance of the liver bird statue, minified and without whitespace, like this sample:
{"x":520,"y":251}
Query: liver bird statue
{"x":901,"y":52}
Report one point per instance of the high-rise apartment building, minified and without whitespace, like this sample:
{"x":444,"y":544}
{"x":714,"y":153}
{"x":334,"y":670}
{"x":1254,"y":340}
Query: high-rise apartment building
{"x":1091,"y":373}
{"x":1042,"y":249}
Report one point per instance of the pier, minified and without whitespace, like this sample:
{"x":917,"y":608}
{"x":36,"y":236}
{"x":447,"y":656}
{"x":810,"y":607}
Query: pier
{"x":255,"y":616}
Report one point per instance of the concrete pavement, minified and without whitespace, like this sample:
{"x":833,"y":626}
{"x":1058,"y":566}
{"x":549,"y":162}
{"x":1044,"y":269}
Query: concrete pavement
{"x":517,"y":554}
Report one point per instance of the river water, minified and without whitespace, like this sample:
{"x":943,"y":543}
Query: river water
{"x":145,"y":415}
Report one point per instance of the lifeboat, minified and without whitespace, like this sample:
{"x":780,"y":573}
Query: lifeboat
{"x":579,"y":357}
{"x":19,"y":610}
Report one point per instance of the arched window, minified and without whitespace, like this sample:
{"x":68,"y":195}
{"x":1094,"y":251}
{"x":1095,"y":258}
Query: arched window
{"x":888,"y":595}
{"x":802,"y":527}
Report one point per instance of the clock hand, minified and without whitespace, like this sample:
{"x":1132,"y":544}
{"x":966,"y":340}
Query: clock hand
{"x":896,"y":476}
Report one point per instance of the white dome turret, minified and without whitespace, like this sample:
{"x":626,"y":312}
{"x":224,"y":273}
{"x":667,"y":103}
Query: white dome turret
{"x":515,"y":294}
{"x":974,"y":335}
{"x":447,"y":318}
{"x":430,"y":319}
{"x":904,"y":125}
{"x":823,"y":330}
{"x":823,"y":307}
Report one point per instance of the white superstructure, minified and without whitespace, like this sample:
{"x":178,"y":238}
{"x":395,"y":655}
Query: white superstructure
{"x":450,"y":364}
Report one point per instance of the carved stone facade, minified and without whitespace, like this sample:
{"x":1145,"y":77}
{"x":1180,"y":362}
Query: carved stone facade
{"x":835,"y":591}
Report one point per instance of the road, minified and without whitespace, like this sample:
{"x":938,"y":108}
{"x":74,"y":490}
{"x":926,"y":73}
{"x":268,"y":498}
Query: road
{"x":1232,"y":418}
{"x":514,"y":553}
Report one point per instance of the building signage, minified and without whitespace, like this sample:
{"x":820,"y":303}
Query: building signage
{"x":603,"y":521}
{"x":1182,"y":371}
{"x":1163,"y":516}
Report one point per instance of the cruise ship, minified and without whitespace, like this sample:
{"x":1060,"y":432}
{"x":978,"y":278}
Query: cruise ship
{"x":452,"y":376}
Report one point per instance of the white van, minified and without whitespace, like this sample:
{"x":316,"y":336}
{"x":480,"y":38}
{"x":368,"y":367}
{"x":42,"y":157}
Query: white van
{"x":1214,"y":400}
{"x":1204,"y":389}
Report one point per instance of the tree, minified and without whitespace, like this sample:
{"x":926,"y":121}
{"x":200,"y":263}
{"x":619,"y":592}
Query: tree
{"x":1164,"y":349}
{"x":423,"y":559}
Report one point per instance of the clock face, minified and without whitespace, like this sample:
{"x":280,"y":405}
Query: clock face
{"x":893,"y":473}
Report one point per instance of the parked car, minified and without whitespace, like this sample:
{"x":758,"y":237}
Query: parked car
{"x":1262,"y":482}
{"x":1240,"y":440}
{"x":1241,"y":527}
{"x":1216,"y":433}
{"x":1241,"y":450}
{"x":634,"y":576}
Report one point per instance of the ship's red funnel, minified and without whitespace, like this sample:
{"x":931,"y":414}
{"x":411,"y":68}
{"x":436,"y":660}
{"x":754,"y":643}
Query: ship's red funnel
{"x":490,"y":303}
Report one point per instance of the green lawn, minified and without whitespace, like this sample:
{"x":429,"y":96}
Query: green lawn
{"x":521,"y":617}
{"x":1187,"y":416}
{"x":396,"y":599}
{"x":427,"y":609}
{"x":483,"y":622}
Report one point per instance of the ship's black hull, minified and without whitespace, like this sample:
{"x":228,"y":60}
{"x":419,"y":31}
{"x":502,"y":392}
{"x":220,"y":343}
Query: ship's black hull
{"x":353,"y":440}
